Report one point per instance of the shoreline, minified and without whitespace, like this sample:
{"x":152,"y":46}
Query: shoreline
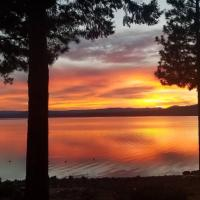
{"x":175,"y":187}
{"x":114,"y":116}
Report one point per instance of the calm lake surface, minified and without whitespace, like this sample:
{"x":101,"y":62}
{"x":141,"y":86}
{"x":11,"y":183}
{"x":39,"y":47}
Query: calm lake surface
{"x":99,"y":147}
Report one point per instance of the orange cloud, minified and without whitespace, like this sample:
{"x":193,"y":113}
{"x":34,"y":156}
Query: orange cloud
{"x":81,"y":88}
{"x":84,"y":88}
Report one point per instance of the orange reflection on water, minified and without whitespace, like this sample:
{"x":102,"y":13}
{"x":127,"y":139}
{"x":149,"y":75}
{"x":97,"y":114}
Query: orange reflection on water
{"x":125,"y":139}
{"x":115,"y":146}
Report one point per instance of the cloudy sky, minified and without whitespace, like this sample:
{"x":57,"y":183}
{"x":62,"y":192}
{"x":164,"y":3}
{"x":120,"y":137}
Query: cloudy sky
{"x":117,"y":71}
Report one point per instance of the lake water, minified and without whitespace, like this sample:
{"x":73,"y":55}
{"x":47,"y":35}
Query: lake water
{"x":106,"y":147}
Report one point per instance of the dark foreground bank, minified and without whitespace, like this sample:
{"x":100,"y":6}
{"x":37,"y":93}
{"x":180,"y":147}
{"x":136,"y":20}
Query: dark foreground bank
{"x":149,"y":188}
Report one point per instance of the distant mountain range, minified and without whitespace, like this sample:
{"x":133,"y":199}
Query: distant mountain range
{"x":109,"y":112}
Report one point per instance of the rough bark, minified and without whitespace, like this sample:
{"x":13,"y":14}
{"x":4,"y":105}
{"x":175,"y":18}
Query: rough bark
{"x":37,"y":186}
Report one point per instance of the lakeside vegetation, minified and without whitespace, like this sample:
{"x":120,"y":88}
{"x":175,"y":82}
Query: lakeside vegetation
{"x":139,"y":188}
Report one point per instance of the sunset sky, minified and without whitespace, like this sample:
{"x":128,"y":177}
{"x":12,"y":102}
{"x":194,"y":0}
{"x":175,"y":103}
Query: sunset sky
{"x":114,"y":72}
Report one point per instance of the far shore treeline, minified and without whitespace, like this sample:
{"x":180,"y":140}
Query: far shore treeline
{"x":111,"y":112}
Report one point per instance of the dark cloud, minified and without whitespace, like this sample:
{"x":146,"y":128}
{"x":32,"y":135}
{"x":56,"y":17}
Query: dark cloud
{"x":126,"y":47}
{"x":130,"y":92}
{"x":75,"y":90}
{"x":13,"y":91}
{"x":82,"y":90}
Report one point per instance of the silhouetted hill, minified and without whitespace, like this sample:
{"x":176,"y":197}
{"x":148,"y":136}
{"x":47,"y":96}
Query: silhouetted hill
{"x":109,"y":112}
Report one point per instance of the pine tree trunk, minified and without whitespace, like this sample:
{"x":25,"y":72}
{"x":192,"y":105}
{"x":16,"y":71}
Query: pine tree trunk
{"x":198,"y":67}
{"x":37,"y":181}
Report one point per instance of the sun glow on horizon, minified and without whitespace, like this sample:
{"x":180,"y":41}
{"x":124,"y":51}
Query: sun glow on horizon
{"x":106,"y":88}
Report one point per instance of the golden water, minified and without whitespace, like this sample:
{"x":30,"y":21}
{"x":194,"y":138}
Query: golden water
{"x":98,"y":147}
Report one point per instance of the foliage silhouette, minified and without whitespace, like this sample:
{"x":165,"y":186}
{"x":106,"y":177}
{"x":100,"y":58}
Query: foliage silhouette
{"x":33,"y":34}
{"x":180,"y":56}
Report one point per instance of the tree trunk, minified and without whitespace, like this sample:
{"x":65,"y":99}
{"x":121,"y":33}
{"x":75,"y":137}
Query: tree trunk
{"x":37,"y":180}
{"x":198,"y":68}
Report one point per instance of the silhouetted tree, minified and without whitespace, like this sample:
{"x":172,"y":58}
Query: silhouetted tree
{"x":180,"y":54}
{"x":33,"y":34}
